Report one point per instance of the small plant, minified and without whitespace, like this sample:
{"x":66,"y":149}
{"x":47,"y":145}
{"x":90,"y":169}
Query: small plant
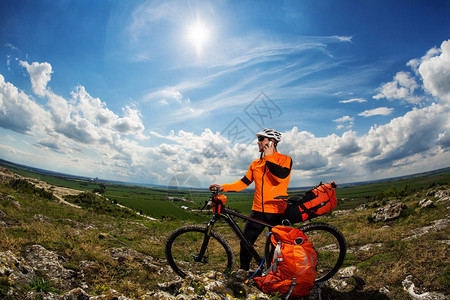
{"x":42,"y":285}
{"x":445,"y":278}
{"x":101,"y":288}
{"x":4,"y":287}
{"x":349,"y":259}
{"x":275,"y":296}
{"x":199,"y":287}
{"x":374,"y":261}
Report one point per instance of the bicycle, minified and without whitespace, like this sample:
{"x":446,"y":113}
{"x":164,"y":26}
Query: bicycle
{"x":199,"y":249}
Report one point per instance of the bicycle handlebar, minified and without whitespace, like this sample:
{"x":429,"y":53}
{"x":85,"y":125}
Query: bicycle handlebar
{"x":210,"y":202}
{"x":215,"y":190}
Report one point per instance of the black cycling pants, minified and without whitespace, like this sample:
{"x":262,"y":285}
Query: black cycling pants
{"x":252,"y":231}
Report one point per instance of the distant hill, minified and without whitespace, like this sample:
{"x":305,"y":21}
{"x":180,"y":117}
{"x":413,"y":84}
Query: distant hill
{"x":23,"y":169}
{"x":429,"y":173}
{"x":20,"y":169}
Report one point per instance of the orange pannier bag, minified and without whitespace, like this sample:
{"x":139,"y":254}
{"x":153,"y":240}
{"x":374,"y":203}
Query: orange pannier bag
{"x":219,"y":203}
{"x":317,"y":201}
{"x":293,"y":268}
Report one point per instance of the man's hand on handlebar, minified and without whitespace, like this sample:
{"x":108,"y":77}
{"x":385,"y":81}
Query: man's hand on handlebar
{"x":216,"y":186}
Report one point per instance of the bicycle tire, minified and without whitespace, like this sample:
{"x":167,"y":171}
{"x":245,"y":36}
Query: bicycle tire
{"x":184,"y":244}
{"x":331,"y":249}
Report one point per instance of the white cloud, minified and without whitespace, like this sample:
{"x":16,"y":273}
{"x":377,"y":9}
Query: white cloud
{"x":401,"y":88}
{"x":418,"y":131}
{"x":420,"y":134}
{"x":40,"y":75}
{"x":11,"y":46}
{"x":18,"y":112}
{"x":435,"y":71}
{"x":172,"y":94}
{"x":346,"y":145}
{"x":150,"y":12}
{"x":304,"y":148}
{"x":345,"y":121}
{"x":344,"y":38}
{"x":444,"y":138}
{"x":82,"y":125}
{"x":358,"y":100}
{"x":93,"y":109}
{"x":398,"y":147}
{"x":130,"y":123}
{"x":83,"y":129}
{"x":380,"y":111}
{"x":167,"y":96}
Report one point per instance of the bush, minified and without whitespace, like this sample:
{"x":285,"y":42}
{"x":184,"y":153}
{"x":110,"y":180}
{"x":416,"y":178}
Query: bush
{"x":24,"y":186}
{"x":100,"y":205}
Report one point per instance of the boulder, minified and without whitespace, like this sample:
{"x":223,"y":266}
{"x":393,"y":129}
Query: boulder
{"x":9,"y":199}
{"x":41,"y":218}
{"x":15,"y":270}
{"x":48,"y":262}
{"x":126,"y":254}
{"x":346,"y":281}
{"x":212,"y":285}
{"x":6,"y":221}
{"x":389,"y":212}
{"x":408,"y":285}
{"x":362,"y":207}
{"x":442,"y":194}
{"x":438,"y":225}
{"x":426,"y":203}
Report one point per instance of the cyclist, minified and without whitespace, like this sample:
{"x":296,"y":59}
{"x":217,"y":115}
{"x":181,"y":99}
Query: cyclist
{"x":271,"y":174}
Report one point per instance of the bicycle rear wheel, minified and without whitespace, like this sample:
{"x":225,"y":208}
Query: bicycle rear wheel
{"x":330,"y":246}
{"x":183,"y":248}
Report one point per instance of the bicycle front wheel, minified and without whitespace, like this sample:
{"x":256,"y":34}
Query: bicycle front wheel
{"x":330,"y":246}
{"x":190,"y":250}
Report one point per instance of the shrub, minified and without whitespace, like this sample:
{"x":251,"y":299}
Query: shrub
{"x":100,"y":205}
{"x":24,"y":186}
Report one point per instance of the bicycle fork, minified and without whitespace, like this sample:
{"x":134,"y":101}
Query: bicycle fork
{"x":201,"y":257}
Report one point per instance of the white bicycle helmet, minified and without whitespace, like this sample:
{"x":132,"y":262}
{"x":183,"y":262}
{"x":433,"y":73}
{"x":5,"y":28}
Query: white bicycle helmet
{"x":270,"y":133}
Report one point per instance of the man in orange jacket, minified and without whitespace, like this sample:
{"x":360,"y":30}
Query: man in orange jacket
{"x":271,"y":174}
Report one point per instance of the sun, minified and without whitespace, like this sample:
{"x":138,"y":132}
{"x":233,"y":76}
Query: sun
{"x":198,"y":35}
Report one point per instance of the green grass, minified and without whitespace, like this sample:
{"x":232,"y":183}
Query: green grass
{"x":89,"y":234}
{"x":153,"y":201}
{"x":356,"y":195}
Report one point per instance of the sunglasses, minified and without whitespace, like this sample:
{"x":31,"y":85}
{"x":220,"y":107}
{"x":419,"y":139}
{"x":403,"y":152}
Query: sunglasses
{"x":261,"y":138}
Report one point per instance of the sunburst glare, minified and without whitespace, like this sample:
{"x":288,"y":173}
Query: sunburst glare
{"x":198,"y":35}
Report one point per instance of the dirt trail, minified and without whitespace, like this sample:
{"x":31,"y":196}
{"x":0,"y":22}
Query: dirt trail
{"x":58,"y":192}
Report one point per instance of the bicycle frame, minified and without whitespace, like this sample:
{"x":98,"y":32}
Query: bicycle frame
{"x":227,"y":214}
{"x":207,"y":234}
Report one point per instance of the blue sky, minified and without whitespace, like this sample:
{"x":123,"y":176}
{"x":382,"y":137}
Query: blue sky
{"x":157,"y":91}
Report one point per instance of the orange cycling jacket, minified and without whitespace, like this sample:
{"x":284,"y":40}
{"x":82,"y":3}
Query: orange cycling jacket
{"x":271,"y":175}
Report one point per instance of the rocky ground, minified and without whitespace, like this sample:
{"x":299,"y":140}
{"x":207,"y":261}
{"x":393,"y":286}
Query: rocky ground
{"x":61,"y":282}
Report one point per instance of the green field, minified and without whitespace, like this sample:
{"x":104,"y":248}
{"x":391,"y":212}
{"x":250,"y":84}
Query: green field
{"x":355,"y":195}
{"x":154,"y":202}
